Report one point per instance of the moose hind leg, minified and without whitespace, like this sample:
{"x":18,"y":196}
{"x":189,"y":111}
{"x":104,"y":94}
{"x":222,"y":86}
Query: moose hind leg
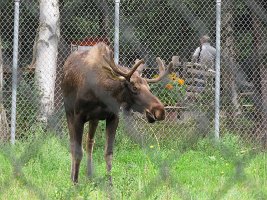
{"x":76,"y":149}
{"x":111,"y":126}
{"x":70,"y":121}
{"x":90,"y":145}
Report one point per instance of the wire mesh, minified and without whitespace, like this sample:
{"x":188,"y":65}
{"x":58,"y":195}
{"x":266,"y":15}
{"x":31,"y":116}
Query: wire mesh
{"x":243,"y":104}
{"x":168,"y":29}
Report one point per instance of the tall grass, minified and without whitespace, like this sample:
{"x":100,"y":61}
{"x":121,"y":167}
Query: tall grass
{"x":39,"y":168}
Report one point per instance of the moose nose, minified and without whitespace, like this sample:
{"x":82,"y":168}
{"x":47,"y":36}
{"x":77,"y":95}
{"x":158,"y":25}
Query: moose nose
{"x":159,"y":112}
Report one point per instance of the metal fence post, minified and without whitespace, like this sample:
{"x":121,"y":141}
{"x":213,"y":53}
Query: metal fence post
{"x":217,"y":69}
{"x":14,"y":71}
{"x":117,"y":31}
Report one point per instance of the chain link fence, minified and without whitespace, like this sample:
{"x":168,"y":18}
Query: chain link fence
{"x":168,"y":29}
{"x":49,"y":30}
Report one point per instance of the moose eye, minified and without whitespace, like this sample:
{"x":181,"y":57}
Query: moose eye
{"x":134,"y":88}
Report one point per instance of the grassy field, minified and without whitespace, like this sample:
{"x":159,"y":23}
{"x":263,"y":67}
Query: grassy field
{"x":39,"y":168}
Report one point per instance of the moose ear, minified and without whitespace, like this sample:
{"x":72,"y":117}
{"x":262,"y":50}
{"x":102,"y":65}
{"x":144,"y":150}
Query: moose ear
{"x":121,"y":78}
{"x":140,"y":68}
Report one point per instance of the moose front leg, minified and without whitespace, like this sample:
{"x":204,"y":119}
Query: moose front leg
{"x":111,"y":126}
{"x":90,"y":145}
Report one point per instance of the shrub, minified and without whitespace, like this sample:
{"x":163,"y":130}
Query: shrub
{"x":170,"y":90}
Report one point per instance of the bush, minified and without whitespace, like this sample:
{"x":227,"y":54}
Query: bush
{"x":169,"y":90}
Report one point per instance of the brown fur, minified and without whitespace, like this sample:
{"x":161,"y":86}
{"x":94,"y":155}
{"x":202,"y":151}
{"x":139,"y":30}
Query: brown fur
{"x":92,"y":91}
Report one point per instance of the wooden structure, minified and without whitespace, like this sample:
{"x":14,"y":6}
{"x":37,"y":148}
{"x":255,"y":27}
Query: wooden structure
{"x":88,"y":43}
{"x":198,"y":79}
{"x":200,"y":82}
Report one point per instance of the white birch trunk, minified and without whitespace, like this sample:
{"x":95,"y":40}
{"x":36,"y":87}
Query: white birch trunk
{"x":46,"y":55}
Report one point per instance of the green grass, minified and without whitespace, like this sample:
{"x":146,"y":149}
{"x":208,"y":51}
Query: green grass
{"x":39,"y":168}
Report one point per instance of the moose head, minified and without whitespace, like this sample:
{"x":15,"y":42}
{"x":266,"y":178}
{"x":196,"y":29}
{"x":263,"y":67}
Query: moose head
{"x":138,"y":96}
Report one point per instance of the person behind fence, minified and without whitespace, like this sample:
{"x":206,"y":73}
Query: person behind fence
{"x":204,"y":55}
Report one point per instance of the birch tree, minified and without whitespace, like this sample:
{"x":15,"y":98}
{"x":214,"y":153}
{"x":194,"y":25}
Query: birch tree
{"x":3,"y":119}
{"x":46,"y":48}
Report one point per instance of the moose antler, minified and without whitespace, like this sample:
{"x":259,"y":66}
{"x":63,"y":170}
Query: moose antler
{"x":117,"y":70}
{"x":162,"y":72}
{"x":134,"y":68}
{"x":140,"y":68}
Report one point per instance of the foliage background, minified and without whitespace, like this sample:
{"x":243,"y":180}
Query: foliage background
{"x":149,"y":29}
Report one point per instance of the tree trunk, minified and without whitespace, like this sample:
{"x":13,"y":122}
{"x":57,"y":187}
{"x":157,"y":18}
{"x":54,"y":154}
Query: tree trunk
{"x":4,"y":129}
{"x":260,"y":78}
{"x":263,"y":72}
{"x":46,"y":56}
{"x":229,"y":64}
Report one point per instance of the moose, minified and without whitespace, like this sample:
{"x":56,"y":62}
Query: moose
{"x":95,"y":88}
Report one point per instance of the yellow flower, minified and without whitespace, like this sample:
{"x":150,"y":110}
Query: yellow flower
{"x":172,"y":76}
{"x":151,"y":146}
{"x":180,"y":81}
{"x":169,"y":86}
